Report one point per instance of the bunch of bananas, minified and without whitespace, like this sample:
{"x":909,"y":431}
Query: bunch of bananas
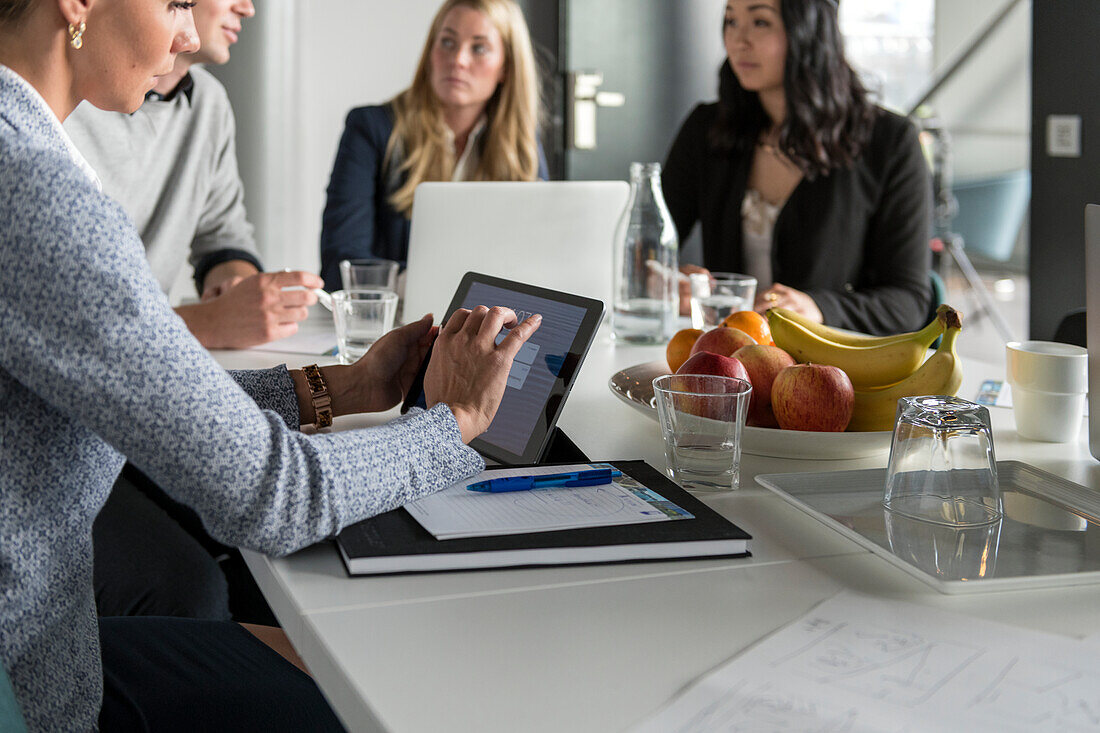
{"x":883,"y":369}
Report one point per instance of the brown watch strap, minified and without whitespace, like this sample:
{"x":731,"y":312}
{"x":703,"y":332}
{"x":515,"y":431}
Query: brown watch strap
{"x":318,"y":392}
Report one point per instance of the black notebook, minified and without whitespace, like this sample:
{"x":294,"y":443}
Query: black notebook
{"x":394,"y":542}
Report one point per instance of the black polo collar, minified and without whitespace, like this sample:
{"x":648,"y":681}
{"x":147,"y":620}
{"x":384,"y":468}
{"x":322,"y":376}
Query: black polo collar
{"x":186,"y":86}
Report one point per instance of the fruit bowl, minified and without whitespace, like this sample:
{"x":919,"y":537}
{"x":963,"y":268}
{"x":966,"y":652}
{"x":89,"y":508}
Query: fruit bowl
{"x":634,"y":386}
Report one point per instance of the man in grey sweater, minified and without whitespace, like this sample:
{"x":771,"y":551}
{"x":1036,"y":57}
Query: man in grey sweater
{"x":173,"y":167}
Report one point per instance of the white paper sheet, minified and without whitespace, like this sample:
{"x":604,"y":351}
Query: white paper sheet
{"x":858,"y":664}
{"x":306,"y":341}
{"x":457,"y":512}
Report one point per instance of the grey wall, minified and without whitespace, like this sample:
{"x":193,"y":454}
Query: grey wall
{"x":298,"y":69}
{"x":544,"y":24}
{"x":1065,"y":81}
{"x":663,"y":56}
{"x":986,"y":107}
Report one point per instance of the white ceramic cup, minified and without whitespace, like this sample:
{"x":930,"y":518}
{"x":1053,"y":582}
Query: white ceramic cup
{"x":1049,"y":384}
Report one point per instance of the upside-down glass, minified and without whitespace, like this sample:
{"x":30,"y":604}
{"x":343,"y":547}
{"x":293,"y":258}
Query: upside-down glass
{"x":702,"y":418}
{"x":368,"y":273}
{"x":362,"y":317}
{"x":717,"y":294}
{"x":942,"y":466}
{"x":945,"y":552}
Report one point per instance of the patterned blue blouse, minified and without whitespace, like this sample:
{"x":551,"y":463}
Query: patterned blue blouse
{"x":94,"y":366}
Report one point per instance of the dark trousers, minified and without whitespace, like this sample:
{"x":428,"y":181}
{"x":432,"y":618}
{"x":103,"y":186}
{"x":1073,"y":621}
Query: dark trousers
{"x":154,"y":558}
{"x":187,"y":675}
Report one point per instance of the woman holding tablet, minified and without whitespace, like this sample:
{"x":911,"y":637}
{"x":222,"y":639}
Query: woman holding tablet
{"x":797,"y":179}
{"x":97,"y":367}
{"x":471,"y":114}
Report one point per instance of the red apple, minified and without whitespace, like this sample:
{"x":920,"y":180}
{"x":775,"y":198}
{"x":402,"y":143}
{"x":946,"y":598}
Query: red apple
{"x":813,"y":397}
{"x":716,"y":364}
{"x":707,"y":364}
{"x":722,"y":340}
{"x":763,"y":363}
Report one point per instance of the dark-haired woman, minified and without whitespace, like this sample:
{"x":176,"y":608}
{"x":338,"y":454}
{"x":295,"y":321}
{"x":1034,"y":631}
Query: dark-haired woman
{"x":797,"y":179}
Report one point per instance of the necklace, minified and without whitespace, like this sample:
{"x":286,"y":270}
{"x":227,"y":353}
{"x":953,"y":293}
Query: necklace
{"x":769,"y":148}
{"x":774,"y":151}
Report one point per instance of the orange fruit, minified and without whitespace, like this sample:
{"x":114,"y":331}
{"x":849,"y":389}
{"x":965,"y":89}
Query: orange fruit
{"x":752,"y":323}
{"x":679,"y":348}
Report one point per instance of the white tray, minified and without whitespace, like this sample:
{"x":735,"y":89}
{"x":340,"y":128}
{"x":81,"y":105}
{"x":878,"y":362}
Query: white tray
{"x":634,"y":386}
{"x":1047,"y":538}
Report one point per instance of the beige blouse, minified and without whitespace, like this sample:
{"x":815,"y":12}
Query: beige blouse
{"x":757,"y":224}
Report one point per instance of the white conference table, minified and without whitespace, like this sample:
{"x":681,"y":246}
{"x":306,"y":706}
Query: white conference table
{"x":598,"y":648}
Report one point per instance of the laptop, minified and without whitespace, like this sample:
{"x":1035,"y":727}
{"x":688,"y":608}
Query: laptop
{"x":556,"y":235}
{"x":1092,"y":320}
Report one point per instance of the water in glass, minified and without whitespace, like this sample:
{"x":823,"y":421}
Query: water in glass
{"x":713,"y":309}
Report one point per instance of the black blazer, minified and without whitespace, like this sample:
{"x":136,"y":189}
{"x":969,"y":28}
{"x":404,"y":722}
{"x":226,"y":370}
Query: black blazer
{"x":855,"y":240}
{"x":359,"y":220}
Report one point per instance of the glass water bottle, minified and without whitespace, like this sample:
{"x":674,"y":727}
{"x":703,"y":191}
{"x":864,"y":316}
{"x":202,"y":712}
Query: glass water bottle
{"x":646,"y":266}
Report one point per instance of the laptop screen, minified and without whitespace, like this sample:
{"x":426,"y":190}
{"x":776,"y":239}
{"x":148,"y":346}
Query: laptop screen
{"x":555,"y":234}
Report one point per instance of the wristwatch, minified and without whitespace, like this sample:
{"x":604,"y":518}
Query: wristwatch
{"x":318,"y":392}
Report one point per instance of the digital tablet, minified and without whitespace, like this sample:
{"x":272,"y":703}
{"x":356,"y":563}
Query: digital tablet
{"x":543,"y":371}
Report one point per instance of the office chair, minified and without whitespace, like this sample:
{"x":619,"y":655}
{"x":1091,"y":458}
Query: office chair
{"x":946,"y":207}
{"x":11,"y":717}
{"x":1073,"y":329}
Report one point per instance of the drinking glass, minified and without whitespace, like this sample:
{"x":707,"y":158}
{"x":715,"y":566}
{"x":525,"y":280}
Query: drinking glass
{"x":702,"y":418}
{"x":947,"y":552}
{"x":942,"y":466}
{"x":717,"y":294}
{"x":362,"y":317}
{"x":369,"y":273}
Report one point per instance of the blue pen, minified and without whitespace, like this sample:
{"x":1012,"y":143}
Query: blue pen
{"x":595,"y":477}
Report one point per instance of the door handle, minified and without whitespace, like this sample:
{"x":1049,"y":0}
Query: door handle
{"x":583,"y":98}
{"x":610,"y":99}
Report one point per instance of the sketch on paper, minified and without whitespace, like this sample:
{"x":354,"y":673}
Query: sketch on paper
{"x":899,"y":667}
{"x":857,"y":664}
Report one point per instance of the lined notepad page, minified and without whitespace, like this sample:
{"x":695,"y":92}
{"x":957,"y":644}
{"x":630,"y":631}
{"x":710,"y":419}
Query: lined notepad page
{"x":457,"y":512}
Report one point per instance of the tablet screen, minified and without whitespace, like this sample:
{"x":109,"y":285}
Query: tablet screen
{"x":543,"y":370}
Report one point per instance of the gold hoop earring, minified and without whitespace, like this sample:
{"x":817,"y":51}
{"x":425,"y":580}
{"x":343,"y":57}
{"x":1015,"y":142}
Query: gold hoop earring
{"x":76,"y":35}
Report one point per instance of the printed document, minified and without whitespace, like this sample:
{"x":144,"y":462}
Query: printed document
{"x":858,"y":664}
{"x":457,"y":512}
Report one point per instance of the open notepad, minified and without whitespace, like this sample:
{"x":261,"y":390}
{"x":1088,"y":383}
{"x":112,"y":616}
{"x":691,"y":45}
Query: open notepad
{"x":395,"y":542}
{"x":458,"y":512}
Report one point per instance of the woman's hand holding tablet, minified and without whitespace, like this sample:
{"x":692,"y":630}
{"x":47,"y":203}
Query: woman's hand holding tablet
{"x":542,"y":367}
{"x":468,"y":369}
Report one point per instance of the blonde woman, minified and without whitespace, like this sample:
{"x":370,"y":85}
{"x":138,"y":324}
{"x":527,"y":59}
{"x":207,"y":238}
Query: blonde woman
{"x":470,"y":115}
